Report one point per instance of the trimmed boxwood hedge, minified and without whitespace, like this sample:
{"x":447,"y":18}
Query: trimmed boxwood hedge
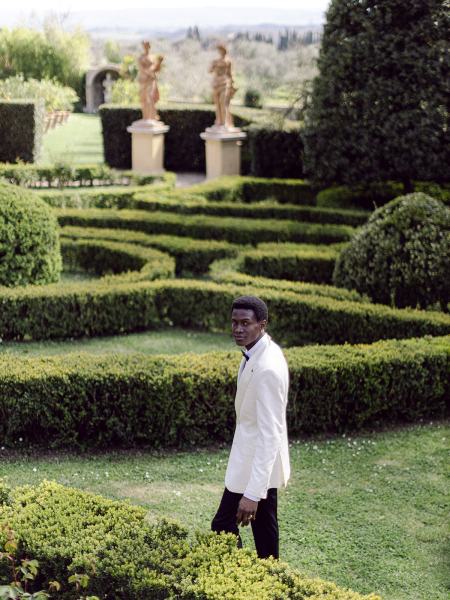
{"x":63,"y":175}
{"x":226,"y":271}
{"x":191,"y":205}
{"x":22,"y":130}
{"x":191,"y":256}
{"x":92,"y":308}
{"x":296,"y":262}
{"x":252,"y":189}
{"x":134,"y":263}
{"x":185,"y":399}
{"x":231,"y":229}
{"x":126,"y":557}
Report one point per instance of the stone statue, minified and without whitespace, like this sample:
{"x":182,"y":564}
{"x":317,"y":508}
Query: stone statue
{"x":223,"y":88}
{"x":107,"y":86}
{"x":148,"y":85}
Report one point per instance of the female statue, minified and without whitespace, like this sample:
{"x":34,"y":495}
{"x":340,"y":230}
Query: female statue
{"x":223,"y":89}
{"x":148,"y":85}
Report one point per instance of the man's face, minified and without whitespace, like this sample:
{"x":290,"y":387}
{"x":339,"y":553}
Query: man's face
{"x":245,"y":327}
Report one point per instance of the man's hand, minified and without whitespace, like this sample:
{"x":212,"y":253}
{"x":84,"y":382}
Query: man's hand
{"x":246,"y":511}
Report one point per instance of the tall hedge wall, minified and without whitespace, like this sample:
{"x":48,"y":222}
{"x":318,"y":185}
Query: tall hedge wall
{"x":21,"y":130}
{"x":184,"y":149}
{"x":185,"y":399}
{"x":268,"y":152}
{"x":275,"y":153}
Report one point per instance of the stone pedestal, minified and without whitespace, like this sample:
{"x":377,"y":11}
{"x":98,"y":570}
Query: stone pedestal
{"x":147,"y":146}
{"x":223,"y":151}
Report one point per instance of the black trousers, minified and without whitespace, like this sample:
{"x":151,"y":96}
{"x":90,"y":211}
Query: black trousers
{"x":264,"y":527}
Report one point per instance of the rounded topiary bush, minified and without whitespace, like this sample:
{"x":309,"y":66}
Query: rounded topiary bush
{"x":29,"y":239}
{"x":402,"y":255}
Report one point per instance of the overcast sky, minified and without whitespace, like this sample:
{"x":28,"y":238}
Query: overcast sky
{"x":77,"y":5}
{"x":170,"y":14}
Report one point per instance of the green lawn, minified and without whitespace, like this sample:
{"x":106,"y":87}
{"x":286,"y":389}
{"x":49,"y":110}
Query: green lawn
{"x":77,"y":141}
{"x":368,"y":512}
{"x":167,"y":341}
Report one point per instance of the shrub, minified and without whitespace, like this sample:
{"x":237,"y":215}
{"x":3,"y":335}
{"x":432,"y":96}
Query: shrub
{"x":275,"y":153}
{"x":61,"y":175}
{"x":185,"y":399}
{"x":22,"y":127}
{"x":191,"y":256}
{"x":231,"y":229}
{"x":226,"y":271}
{"x":402,"y":255}
{"x":54,"y":95}
{"x":253,"y":189}
{"x":377,"y":106}
{"x":363,"y":196}
{"x":175,"y":202}
{"x":102,"y":308}
{"x":296,"y":262}
{"x":125,"y":556}
{"x":29,"y":244}
{"x":252,"y":98}
{"x":102,"y":257}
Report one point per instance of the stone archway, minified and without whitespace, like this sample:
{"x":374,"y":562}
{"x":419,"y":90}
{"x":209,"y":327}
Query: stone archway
{"x":95,"y":92}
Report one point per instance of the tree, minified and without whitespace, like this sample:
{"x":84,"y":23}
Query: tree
{"x":380,"y":104}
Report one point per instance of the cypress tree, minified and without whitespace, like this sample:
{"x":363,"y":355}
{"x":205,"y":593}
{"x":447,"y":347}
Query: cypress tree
{"x":379,"y":106}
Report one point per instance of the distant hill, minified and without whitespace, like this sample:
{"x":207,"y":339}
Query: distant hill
{"x":168,"y":23}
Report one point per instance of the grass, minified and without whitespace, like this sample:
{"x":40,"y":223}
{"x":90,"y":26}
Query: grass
{"x":167,"y":341}
{"x":77,"y":141}
{"x":369,"y":512}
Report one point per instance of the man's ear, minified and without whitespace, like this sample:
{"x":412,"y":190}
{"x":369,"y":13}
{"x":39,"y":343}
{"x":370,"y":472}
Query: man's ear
{"x":263,"y":324}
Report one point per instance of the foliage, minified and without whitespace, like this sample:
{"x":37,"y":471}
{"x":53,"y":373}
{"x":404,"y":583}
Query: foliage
{"x":231,"y":229}
{"x":296,"y":262}
{"x":125,"y":556}
{"x":379,"y":107}
{"x":191,"y":256}
{"x":184,"y":149}
{"x":402,"y":255}
{"x":128,"y":262}
{"x":55,"y":95}
{"x":252,"y":98}
{"x":63,"y":174}
{"x":22,"y":127}
{"x":276,"y":153}
{"x":111,"y":50}
{"x":376,"y":194}
{"x":74,"y":310}
{"x":253,"y":189}
{"x":49,"y":54}
{"x":226,"y":271}
{"x":180,"y":202}
{"x":29,"y":244}
{"x":181,"y":400}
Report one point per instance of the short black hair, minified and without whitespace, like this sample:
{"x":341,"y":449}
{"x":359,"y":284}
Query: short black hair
{"x":258,"y":306}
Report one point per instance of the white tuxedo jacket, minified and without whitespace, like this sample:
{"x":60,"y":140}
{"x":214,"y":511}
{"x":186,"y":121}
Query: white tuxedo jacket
{"x":259,"y":457}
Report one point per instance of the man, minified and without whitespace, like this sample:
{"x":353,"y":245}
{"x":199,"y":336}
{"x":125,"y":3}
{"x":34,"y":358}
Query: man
{"x":259,"y":458}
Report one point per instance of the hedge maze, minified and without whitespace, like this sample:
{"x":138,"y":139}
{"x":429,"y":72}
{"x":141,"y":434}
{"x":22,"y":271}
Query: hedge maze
{"x":164,"y":257}
{"x":167,"y":257}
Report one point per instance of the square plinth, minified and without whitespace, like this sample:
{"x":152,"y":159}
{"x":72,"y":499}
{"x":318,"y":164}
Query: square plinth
{"x":223,"y":153}
{"x":147,"y":148}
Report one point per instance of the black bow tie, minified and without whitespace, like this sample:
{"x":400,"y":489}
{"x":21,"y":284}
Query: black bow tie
{"x":246,"y":356}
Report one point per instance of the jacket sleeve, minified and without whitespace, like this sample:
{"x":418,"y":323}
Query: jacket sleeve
{"x":270,"y":417}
